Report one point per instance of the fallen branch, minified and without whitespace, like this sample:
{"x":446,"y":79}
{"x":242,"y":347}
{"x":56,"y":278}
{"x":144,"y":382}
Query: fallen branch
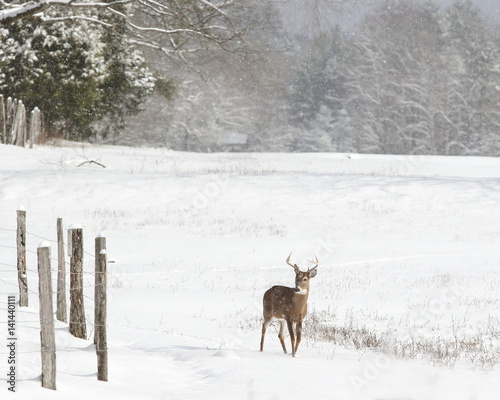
{"x":92,"y":162}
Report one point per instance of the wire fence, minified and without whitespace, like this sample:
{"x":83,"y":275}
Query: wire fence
{"x":7,"y":268}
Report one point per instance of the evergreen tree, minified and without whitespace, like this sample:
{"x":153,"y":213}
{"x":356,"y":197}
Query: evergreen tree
{"x":54,"y":68}
{"x":127,"y":81}
{"x":73,"y":72}
{"x":318,"y":93}
{"x":308,"y":90}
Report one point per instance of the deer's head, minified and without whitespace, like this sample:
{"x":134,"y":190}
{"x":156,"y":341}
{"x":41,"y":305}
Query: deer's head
{"x":302,"y":278}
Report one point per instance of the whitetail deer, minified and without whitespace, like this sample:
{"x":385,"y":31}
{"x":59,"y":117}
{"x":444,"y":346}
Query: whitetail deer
{"x":288,"y":305}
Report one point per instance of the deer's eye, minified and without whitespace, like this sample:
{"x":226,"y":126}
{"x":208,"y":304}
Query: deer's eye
{"x":305,"y":279}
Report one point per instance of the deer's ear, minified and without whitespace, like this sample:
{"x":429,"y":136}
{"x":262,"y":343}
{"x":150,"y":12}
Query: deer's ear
{"x":312,"y":273}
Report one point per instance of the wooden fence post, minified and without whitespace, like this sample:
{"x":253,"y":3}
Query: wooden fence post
{"x":61,"y":274}
{"x":17,"y":123}
{"x":14,"y":128}
{"x":77,"y":325}
{"x":48,"y":343}
{"x":20,"y":124}
{"x":35,"y":126}
{"x":21,"y":258}
{"x":100,"y":244}
{"x":100,"y":323}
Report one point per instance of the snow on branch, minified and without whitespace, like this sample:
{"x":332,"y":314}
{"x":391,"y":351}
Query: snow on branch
{"x":22,"y":10}
{"x":180,"y":30}
{"x":97,"y":4}
{"x":213,"y":6}
{"x":171,"y":27}
{"x":75,"y":17}
{"x":14,"y":12}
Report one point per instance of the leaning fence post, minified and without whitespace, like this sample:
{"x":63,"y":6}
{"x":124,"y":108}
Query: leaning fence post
{"x":9,"y":119}
{"x":77,"y":325}
{"x":21,"y":258}
{"x":100,"y":322}
{"x":3,"y":119}
{"x":48,"y":343}
{"x":61,"y":274}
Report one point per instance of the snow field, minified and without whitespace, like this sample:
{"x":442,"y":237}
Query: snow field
{"x":405,"y":304}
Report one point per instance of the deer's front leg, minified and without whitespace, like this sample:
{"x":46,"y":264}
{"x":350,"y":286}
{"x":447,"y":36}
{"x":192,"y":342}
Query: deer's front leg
{"x":298,"y":328}
{"x":292,"y":335}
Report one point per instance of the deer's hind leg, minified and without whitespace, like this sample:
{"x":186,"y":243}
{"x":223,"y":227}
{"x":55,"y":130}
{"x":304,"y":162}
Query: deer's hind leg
{"x":266,"y":323}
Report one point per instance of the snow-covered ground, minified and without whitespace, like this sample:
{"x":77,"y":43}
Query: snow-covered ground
{"x":408,"y":250}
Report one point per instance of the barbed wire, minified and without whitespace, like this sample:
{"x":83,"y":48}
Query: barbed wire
{"x":52,"y":269}
{"x":38,"y":236}
{"x":41,"y":237}
{"x":54,"y":292}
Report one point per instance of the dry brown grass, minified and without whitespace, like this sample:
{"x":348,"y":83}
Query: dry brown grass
{"x":479,"y":349}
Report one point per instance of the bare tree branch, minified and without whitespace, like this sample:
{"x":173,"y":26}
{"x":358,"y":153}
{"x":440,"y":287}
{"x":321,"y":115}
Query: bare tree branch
{"x":91,"y":162}
{"x":171,"y":26}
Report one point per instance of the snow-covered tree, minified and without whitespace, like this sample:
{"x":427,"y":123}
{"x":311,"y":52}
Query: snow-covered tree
{"x":475,"y":74}
{"x":173,"y":28}
{"x":69,"y":71}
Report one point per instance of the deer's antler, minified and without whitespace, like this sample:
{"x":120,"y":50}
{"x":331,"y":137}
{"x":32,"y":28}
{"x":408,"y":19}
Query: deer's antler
{"x":314,"y":262}
{"x":294,"y":266}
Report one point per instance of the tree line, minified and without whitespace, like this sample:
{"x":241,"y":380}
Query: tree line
{"x":409,"y":78}
{"x":414,"y":80}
